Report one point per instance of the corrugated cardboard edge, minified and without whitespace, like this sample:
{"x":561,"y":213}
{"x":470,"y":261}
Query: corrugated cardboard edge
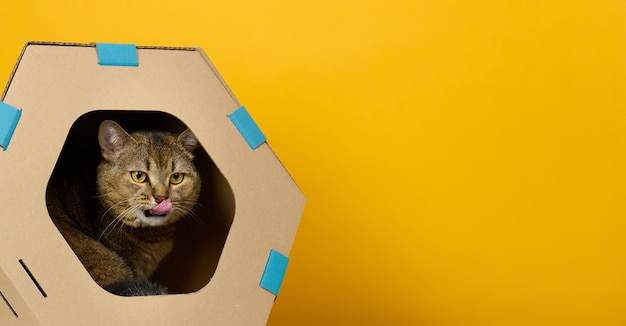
{"x":19,"y":59}
{"x":93,"y":45}
{"x":219,"y":76}
{"x":17,"y":63}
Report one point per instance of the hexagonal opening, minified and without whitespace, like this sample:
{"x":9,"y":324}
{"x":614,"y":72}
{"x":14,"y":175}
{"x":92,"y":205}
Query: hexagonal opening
{"x":200,"y":239}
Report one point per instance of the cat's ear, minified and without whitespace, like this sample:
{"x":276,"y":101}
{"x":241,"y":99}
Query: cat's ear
{"x":112,"y":139}
{"x":188,"y":140}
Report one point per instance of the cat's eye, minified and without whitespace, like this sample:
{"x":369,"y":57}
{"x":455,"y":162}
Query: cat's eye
{"x":177,"y":178}
{"x":138,"y":176}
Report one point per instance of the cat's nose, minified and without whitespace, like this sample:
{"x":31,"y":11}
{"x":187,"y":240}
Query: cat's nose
{"x":159,"y":199}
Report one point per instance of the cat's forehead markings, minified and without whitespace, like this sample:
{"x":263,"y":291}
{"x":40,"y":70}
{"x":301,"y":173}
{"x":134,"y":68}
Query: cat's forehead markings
{"x":153,"y":163}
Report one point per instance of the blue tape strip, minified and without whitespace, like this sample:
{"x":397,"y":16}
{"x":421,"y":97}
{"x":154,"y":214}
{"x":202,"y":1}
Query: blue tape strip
{"x":9,"y":116}
{"x":110,"y":54}
{"x":247,"y":127}
{"x":274,"y":272}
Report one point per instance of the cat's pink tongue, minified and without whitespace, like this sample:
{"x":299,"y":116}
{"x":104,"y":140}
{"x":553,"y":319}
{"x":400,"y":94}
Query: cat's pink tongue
{"x":162,"y":208}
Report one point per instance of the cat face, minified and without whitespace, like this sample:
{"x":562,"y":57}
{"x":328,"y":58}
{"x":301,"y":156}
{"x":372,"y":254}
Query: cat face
{"x":146,"y":178}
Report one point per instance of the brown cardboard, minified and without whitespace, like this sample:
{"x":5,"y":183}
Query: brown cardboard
{"x":257,"y":204}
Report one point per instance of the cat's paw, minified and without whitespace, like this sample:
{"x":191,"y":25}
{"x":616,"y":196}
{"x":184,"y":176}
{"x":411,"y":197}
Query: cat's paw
{"x":133,"y":288}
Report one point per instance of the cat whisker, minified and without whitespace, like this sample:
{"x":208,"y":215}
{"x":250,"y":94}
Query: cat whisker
{"x":121,"y":226}
{"x":189,"y":203}
{"x":194,"y":218}
{"x":192,"y":214}
{"x":116,"y":204}
{"x":194,"y":203}
{"x":195,"y":210}
{"x":114,"y":221}
{"x":117,"y":220}
{"x":129,"y":210}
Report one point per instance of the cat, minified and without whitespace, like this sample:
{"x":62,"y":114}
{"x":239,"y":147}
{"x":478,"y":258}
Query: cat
{"x":145,"y":182}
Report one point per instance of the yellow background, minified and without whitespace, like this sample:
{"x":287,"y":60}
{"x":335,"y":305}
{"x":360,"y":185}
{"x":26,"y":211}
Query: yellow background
{"x":464,"y":161}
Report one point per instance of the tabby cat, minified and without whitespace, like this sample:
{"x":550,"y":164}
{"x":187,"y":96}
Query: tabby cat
{"x":145,"y":182}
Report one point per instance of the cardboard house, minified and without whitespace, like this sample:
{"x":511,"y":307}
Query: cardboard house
{"x":228,"y":262}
